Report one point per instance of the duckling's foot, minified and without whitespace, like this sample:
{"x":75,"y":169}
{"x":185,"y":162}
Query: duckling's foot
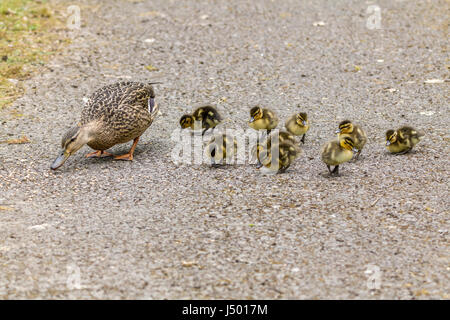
{"x":335,"y":171}
{"x":303,"y":139}
{"x":98,"y":154}
{"x":128,"y":156}
{"x":403,"y":152}
{"x":329,"y":169}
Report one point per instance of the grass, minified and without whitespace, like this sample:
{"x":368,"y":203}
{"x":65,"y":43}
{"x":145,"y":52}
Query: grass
{"x":28,"y":37}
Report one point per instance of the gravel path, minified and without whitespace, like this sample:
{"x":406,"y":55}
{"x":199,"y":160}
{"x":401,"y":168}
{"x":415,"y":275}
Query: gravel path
{"x":152,"y":229}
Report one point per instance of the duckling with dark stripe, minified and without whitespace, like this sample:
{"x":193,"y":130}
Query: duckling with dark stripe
{"x":207,"y":116}
{"x":403,"y":140}
{"x":298,"y":125}
{"x":262,"y":119}
{"x":221,"y":149}
{"x":355,"y":132}
{"x":336,"y":152}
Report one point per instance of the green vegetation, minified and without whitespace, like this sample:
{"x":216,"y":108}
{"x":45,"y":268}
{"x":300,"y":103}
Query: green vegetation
{"x":27,"y":38}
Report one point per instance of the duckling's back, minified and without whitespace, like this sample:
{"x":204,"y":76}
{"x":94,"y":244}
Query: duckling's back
{"x":412,"y":135}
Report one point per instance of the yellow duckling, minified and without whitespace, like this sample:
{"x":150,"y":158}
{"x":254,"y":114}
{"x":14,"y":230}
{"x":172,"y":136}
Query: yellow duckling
{"x":278,"y":158}
{"x":278,"y":137}
{"x":208,"y":116}
{"x":298,"y":125}
{"x":336,"y":152}
{"x":221,"y":149}
{"x":402,"y":140}
{"x":354,"y":131}
{"x":262,"y":119}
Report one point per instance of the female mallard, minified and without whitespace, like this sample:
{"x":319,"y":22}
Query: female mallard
{"x":114,"y":114}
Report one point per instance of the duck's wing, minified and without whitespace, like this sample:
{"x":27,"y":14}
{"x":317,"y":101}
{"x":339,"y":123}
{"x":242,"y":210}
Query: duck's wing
{"x":113,"y":98}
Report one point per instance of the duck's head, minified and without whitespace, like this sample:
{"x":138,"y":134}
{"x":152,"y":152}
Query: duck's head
{"x":256,"y":113}
{"x":71,"y":142}
{"x":187,"y":121}
{"x":391,"y":137}
{"x":302,"y":119}
{"x":348,"y":143}
{"x":345,"y":126}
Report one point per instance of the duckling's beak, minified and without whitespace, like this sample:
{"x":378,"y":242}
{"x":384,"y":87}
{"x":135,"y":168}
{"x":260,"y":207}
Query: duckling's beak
{"x":388,"y":142}
{"x":355,"y":150}
{"x":59,"y":161}
{"x":304,"y":122}
{"x":338,"y":131}
{"x":252,"y":119}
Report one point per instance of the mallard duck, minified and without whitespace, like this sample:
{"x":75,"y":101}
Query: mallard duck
{"x":278,"y":158}
{"x":402,"y":140}
{"x":262,"y":119}
{"x":338,"y":151}
{"x":207,"y":116}
{"x":221,"y":149}
{"x":354,"y":131}
{"x":298,"y":125}
{"x":114,"y":114}
{"x":277,"y":136}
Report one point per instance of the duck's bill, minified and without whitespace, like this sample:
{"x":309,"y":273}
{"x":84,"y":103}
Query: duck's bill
{"x":252,"y":119}
{"x":304,"y":122}
{"x":59,"y":161}
{"x":355,"y":150}
{"x":388,"y":143}
{"x":338,"y":131}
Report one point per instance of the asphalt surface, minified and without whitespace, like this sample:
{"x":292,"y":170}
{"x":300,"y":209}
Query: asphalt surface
{"x":151,"y":229}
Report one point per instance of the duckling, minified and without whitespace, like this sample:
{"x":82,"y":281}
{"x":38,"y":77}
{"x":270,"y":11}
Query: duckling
{"x":298,"y":125}
{"x":338,"y":151}
{"x":402,"y":140}
{"x":278,"y":158}
{"x":262,"y":119}
{"x":221,"y":149}
{"x":116,"y":113}
{"x":283,"y":136}
{"x":354,"y":131}
{"x":207,"y":115}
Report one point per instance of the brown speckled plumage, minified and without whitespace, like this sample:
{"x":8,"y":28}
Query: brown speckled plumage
{"x":119,"y":113}
{"x":114,"y":114}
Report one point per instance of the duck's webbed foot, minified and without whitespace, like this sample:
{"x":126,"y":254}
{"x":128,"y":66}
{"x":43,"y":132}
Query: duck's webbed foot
{"x":128,"y":156}
{"x":98,"y":154}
